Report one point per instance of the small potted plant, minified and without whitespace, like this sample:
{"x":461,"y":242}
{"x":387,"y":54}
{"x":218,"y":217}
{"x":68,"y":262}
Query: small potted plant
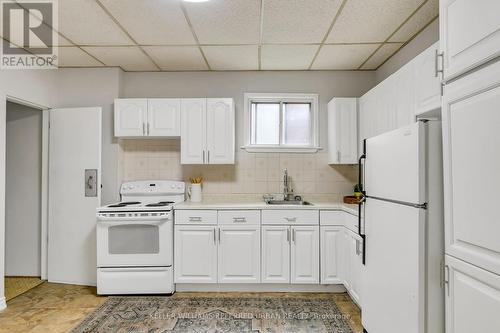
{"x":357,"y":191}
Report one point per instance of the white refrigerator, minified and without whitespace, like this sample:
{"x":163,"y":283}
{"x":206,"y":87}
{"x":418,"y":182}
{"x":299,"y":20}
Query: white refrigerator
{"x":403,"y":231}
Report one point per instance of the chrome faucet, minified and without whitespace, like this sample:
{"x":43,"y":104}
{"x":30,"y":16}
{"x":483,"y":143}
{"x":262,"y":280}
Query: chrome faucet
{"x":287,"y":191}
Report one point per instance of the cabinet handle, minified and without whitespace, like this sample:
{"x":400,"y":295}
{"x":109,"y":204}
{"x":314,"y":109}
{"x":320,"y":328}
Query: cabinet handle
{"x":143,"y":128}
{"x":288,"y":235}
{"x":219,"y":235}
{"x":436,"y":68}
{"x":148,"y":128}
{"x":291,"y":219}
{"x":293,"y":235}
{"x":208,"y":156}
{"x":195,"y":218}
{"x":215,"y":237}
{"x":239,"y":219}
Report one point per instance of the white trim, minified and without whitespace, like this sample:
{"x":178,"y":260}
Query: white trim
{"x":3,"y":304}
{"x":281,"y":97}
{"x":259,"y":287}
{"x":45,"y":194}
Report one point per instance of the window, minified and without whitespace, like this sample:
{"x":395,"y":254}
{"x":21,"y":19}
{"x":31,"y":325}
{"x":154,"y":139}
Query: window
{"x":281,"y":122}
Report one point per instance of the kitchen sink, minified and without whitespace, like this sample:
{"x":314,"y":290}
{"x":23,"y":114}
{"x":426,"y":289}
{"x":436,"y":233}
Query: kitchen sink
{"x":289,"y":202}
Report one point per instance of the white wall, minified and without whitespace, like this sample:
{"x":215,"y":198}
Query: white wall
{"x":421,"y":42}
{"x":23,"y":191}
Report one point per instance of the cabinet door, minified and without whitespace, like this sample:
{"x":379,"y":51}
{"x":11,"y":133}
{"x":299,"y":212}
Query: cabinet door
{"x":305,"y":254}
{"x":195,"y":254}
{"x":469,"y":34}
{"x":220,"y":131}
{"x":193,"y":130}
{"x":346,"y":259}
{"x":471,"y":119}
{"x":164,"y":117}
{"x":331,"y":253}
{"x":472,"y":298}
{"x":427,"y":81}
{"x":342,"y":131}
{"x":355,"y":253}
{"x":130,"y":117}
{"x":275,"y":254}
{"x":239,"y":254}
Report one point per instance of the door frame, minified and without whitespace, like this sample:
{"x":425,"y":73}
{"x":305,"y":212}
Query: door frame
{"x":44,"y":177}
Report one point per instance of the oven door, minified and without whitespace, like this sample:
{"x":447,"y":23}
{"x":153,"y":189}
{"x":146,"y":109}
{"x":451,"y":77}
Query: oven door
{"x":134,"y":240}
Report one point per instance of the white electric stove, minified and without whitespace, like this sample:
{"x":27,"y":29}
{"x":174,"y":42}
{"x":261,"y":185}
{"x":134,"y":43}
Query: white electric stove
{"x":135,"y":239}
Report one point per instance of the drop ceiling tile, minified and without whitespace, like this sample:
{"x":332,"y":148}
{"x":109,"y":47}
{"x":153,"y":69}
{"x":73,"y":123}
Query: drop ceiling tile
{"x":382,"y":54}
{"x":236,"y":57}
{"x":85,"y":23}
{"x":300,"y":21}
{"x":130,"y":58}
{"x":226,"y":22}
{"x":177,"y":58}
{"x":422,"y":17}
{"x":370,"y":21}
{"x":152,"y":22}
{"x":63,"y":41}
{"x":287,"y":57}
{"x":72,"y":56}
{"x":343,"y":57}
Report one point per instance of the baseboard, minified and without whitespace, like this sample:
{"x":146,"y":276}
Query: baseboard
{"x":262,"y":287}
{"x":3,"y":304}
{"x":75,"y":283}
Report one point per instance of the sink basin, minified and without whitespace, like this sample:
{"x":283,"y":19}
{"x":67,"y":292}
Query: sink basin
{"x":289,"y":202}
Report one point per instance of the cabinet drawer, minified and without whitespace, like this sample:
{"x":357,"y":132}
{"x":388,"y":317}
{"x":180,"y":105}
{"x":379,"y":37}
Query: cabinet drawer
{"x":332,"y":217}
{"x":195,"y":217}
{"x":290,"y":217}
{"x":351,"y":222}
{"x":239,"y":217}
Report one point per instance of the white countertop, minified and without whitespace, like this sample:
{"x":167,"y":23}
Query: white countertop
{"x":352,"y":209}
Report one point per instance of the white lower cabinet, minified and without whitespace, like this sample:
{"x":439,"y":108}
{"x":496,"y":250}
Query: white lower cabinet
{"x":304,"y":254}
{"x":331,"y":254}
{"x":472,"y":298}
{"x":195,"y":254}
{"x":239,"y":254}
{"x":275,"y":254}
{"x":354,"y":248}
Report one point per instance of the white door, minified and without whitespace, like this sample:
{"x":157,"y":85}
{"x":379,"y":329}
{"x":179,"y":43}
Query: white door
{"x":239,"y":254}
{"x":75,"y":146}
{"x":275,"y":254}
{"x":220,"y":131}
{"x":427,"y":81}
{"x":472,"y":298}
{"x":471,"y":141}
{"x":394,"y":268}
{"x":395,"y":164}
{"x":305,"y":254}
{"x":331,"y":254}
{"x":346,"y":259}
{"x":164,"y":117}
{"x":195,"y":254}
{"x":193,"y":130}
{"x":469,"y":34}
{"x":131,"y":117}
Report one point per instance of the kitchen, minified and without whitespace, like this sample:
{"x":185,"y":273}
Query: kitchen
{"x":271,"y":118}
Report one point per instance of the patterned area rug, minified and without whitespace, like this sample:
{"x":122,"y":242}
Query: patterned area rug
{"x":215,"y":314}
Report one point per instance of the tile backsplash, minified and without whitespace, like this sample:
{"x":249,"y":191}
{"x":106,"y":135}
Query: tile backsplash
{"x":253,"y":175}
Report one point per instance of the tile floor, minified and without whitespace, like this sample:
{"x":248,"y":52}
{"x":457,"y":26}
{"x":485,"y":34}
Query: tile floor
{"x":55,"y":308}
{"x":18,"y":285}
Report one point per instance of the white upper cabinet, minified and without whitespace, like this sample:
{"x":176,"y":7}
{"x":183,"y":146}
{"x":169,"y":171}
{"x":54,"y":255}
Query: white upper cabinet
{"x":342,"y":131}
{"x":141,"y":117}
{"x":193,"y":131}
{"x":304,"y":254}
{"x":220,"y":131}
{"x":427,"y":80}
{"x":164,"y":117}
{"x":471,"y":119}
{"x":469,"y":34}
{"x":207,"y":131}
{"x":131,"y":116}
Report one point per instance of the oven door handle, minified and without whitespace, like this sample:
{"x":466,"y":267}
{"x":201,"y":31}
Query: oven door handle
{"x":132,"y":220}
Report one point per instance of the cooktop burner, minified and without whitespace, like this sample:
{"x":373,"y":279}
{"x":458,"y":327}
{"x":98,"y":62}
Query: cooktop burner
{"x":125,"y":204}
{"x":160,"y":204}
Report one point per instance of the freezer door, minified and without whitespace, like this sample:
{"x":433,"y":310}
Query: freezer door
{"x":395,"y":164}
{"x":393,"y":284}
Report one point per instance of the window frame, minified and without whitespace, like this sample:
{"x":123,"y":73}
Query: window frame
{"x":281,"y":98}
